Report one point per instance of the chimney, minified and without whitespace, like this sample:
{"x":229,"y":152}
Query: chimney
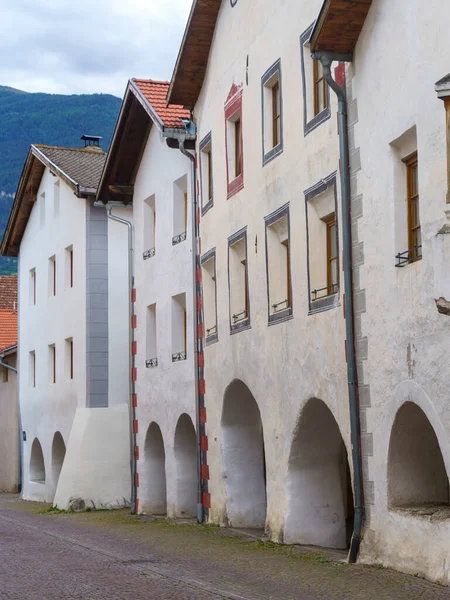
{"x":92,"y":142}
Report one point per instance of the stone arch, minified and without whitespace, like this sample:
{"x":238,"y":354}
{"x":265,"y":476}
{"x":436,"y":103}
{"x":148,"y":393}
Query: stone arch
{"x":58,"y":455}
{"x":186,"y":467}
{"x":416,"y":469}
{"x":37,"y":465}
{"x":320,"y":497}
{"x":154,"y":488}
{"x":244,"y":457}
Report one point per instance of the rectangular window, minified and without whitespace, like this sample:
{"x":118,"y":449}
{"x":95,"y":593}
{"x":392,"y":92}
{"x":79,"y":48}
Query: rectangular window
{"x":69,"y":267}
{"x":32,"y":369}
{"x":52,"y":276}
{"x":278,"y":256}
{"x":69,"y":358}
{"x":322,"y":245}
{"x":238,"y":281}
{"x":180,"y":208}
{"x":52,"y":363}
{"x":209,"y":296}
{"x":272,"y":110}
{"x":32,"y":287}
{"x":234,"y":137}
{"x":56,"y":191}
{"x":149,"y":227}
{"x":151,"y":342}
{"x":42,"y":209}
{"x":179,"y":328}
{"x":206,"y":173}
{"x":414,"y":230}
{"x":320,"y":88}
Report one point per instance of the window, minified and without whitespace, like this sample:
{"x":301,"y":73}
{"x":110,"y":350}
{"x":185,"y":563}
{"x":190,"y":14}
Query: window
{"x":316,"y":94}
{"x":209,"y":296}
{"x":52,"y":276}
{"x":179,"y":328}
{"x":234,"y":148}
{"x":151,"y":350}
{"x":238,"y":281}
{"x":56,"y":190}
{"x":52,"y":363}
{"x":322,"y":245}
{"x":32,"y":369}
{"x":272,"y":125}
{"x":42,"y":209}
{"x":69,"y":358}
{"x":69,"y":267}
{"x":414,"y":231}
{"x":206,"y":173}
{"x":149,"y":227}
{"x":32,"y":287}
{"x":180,"y":210}
{"x":278,"y":259}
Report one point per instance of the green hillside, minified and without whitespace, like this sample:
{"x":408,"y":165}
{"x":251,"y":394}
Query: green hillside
{"x":45,"y":119}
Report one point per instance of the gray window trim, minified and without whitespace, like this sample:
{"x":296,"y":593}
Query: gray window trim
{"x":205,"y":141}
{"x":288,"y":313}
{"x":333,"y":301}
{"x":323,"y":116}
{"x":273,"y":152}
{"x":212,"y":339}
{"x":245,"y":323}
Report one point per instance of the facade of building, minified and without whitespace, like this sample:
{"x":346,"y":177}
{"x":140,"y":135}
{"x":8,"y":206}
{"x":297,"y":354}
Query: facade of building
{"x":142,"y":170}
{"x":73,"y":374}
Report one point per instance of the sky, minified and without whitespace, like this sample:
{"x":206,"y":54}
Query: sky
{"x":88,"y":46}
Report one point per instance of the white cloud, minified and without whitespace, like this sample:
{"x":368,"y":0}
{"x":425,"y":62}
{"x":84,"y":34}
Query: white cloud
{"x":86,"y":46}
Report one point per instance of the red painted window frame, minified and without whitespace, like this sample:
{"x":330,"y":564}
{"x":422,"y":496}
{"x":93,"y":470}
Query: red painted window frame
{"x":232,"y":106}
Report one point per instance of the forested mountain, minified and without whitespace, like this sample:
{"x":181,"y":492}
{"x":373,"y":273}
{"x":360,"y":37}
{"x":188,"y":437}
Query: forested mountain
{"x":57,"y":120}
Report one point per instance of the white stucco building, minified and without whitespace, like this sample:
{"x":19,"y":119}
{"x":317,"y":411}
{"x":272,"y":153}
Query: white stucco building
{"x":73,"y":379}
{"x":143,"y":171}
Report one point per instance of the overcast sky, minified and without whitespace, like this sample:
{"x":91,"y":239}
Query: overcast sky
{"x":86,"y":46}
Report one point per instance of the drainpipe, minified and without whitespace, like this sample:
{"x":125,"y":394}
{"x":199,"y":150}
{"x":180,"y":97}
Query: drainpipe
{"x":181,"y":137}
{"x":326,"y":58}
{"x":131,"y":357}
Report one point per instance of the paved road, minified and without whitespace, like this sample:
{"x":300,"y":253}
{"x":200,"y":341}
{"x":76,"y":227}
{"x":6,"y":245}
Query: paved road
{"x":114,"y":556}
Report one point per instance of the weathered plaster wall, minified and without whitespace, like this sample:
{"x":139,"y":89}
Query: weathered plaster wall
{"x":9,"y":436}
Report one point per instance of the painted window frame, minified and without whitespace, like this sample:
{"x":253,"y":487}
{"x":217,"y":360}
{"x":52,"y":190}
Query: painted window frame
{"x":214,"y":337}
{"x":331,"y":301}
{"x":245,"y":323}
{"x":412,"y":162}
{"x":325,"y":114}
{"x":287,"y":313}
{"x":206,"y":141}
{"x":233,"y":105}
{"x":274,"y":151}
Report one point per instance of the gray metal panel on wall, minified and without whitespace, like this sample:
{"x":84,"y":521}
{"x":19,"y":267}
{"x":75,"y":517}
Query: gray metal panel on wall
{"x":96,"y":307}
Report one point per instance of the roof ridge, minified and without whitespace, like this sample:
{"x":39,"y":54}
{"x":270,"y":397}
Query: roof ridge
{"x":86,"y":149}
{"x":157,"y":81}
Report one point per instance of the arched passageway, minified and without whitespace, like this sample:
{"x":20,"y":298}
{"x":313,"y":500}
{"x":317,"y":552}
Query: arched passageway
{"x":153,"y":490}
{"x":58,"y":454}
{"x":37,"y":466}
{"x":186,"y":467}
{"x":244,"y":458}
{"x":416,"y":469}
{"x":320,"y":509}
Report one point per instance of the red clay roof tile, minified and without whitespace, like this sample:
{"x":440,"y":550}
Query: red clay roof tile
{"x":8,"y":292}
{"x":155,"y":93}
{"x":8,"y":329}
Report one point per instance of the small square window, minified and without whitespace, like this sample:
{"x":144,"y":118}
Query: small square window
{"x":206,"y":173}
{"x":209,"y":296}
{"x":238,"y":281}
{"x":278,"y":255}
{"x":272,"y":112}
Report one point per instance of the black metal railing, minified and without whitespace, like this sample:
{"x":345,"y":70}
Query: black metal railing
{"x":211,"y":331}
{"x":148,"y":253}
{"x":151,"y":362}
{"x":408,"y":256}
{"x":177,"y":356}
{"x":178,"y":238}
{"x":275,"y":306}
{"x":240,"y":316}
{"x":330,"y":290}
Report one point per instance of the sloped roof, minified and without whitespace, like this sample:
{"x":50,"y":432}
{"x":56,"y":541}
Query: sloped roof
{"x":8,"y":292}
{"x":8,"y":329}
{"x":155,"y":92}
{"x":83,"y":165}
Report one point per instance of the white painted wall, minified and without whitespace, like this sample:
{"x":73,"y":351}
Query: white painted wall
{"x":164,"y":392}
{"x":9,"y":436}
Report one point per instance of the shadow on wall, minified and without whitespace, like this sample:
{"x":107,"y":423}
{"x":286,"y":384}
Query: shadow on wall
{"x":37,"y":466}
{"x":153,"y":488}
{"x":244,"y":458}
{"x":320,"y":509}
{"x":186,"y":467}
{"x":58,"y":454}
{"x":416,"y":469}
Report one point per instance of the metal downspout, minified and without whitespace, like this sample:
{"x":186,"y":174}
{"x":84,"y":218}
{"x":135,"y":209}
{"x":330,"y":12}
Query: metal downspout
{"x":131,"y":357}
{"x":326,"y":58}
{"x":194,"y":308}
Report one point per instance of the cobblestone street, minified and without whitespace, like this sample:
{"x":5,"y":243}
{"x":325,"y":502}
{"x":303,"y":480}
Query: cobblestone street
{"x":113,"y":555}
